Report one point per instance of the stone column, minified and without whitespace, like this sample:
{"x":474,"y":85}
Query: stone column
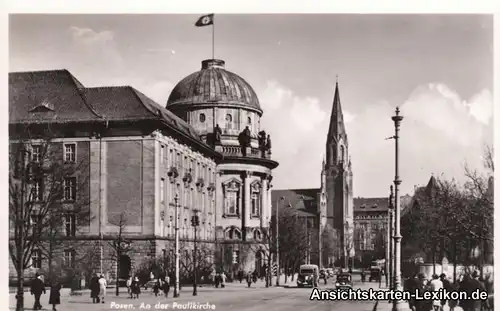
{"x":246,"y":199}
{"x":263,"y":205}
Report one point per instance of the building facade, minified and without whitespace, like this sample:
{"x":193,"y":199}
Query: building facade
{"x":136,"y":161}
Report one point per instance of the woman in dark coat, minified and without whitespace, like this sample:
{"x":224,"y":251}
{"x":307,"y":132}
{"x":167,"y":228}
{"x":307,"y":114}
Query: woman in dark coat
{"x":94,"y":289}
{"x":55,"y":294}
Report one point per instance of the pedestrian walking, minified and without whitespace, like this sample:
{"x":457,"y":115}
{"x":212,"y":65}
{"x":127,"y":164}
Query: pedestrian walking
{"x":129,"y":283}
{"x":217,"y":280}
{"x":249,"y":279}
{"x":157,"y":286}
{"x":476,"y":285}
{"x":166,"y":285}
{"x":435,"y":286}
{"x":102,"y":288}
{"x":255,"y":276}
{"x":223,"y":280}
{"x":94,"y":288}
{"x":37,"y":288}
{"x":135,"y":288}
{"x":446,"y":286}
{"x":55,"y":294}
{"x":240,"y":276}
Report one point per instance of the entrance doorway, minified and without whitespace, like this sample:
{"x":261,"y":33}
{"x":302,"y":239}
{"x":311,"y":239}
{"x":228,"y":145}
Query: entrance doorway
{"x":125,"y":266}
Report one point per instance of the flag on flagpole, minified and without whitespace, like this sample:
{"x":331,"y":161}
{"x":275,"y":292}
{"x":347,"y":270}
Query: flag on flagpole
{"x":205,"y":20}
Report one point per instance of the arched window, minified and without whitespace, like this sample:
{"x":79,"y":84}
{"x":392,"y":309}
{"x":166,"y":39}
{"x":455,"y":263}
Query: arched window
{"x":257,"y":235}
{"x":342,"y":153}
{"x":233,"y":234}
{"x":202,"y":117}
{"x":249,"y":121}
{"x":229,"y":121}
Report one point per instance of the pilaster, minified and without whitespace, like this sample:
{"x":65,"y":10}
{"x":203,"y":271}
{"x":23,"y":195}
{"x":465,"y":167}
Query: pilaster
{"x":264,"y":207}
{"x":219,"y":199}
{"x":246,"y":205}
{"x":269,"y":204}
{"x":103,"y":187}
{"x":156,"y":177}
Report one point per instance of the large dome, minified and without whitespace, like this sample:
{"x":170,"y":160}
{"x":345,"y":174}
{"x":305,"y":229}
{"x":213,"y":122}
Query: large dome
{"x":213,"y":84}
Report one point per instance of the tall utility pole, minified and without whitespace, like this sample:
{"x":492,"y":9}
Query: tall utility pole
{"x":173,"y":174}
{"x":278,"y":244}
{"x":195,"y":222}
{"x":398,"y":305}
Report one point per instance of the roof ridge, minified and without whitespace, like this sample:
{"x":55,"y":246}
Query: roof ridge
{"x":39,"y":71}
{"x":136,"y":94}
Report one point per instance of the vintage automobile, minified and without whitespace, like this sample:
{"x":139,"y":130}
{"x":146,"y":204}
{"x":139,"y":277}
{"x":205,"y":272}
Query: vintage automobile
{"x":344,"y":281}
{"x":307,"y":275}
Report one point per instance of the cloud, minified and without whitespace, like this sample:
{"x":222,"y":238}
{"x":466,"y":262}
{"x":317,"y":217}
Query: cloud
{"x":98,"y":47}
{"x":440,"y":132}
{"x":296,"y":125}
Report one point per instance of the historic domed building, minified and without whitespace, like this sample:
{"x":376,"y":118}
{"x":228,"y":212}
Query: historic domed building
{"x":224,"y":109}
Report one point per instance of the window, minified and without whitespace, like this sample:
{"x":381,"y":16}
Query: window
{"x":231,"y":202}
{"x":162,"y":190}
{"x":36,"y":259}
{"x":35,"y":223}
{"x":171,"y":157}
{"x":342,"y":153}
{"x":70,"y":188}
{"x":229,"y":121}
{"x":249,"y":121}
{"x":70,"y":224}
{"x":256,"y":235}
{"x":163,"y":253}
{"x":162,"y":154}
{"x":69,"y":257}
{"x":69,"y":153}
{"x":37,"y":190}
{"x":202,"y":117}
{"x":255,"y":204}
{"x":36,"y":153}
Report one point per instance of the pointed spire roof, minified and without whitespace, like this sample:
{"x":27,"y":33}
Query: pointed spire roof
{"x":336,"y":119}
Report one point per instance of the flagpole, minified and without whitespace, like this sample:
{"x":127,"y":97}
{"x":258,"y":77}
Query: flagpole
{"x":213,"y":38}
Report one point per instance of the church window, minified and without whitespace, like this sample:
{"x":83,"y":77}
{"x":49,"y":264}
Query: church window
{"x":255,"y":198}
{"x":202,"y":117}
{"x":231,"y":197}
{"x":229,"y":121}
{"x":342,"y":153}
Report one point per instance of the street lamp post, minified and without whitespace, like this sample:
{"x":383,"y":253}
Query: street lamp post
{"x":278,"y":244}
{"x":173,"y":174}
{"x":397,"y":304}
{"x":195,"y":222}
{"x":390,"y":241}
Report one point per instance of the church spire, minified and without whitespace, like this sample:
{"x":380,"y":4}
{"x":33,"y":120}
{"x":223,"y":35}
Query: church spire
{"x":336,"y":119}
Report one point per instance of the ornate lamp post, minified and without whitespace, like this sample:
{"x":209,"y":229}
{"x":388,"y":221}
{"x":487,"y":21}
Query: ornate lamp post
{"x":195,"y":222}
{"x":397,"y":305}
{"x":173,"y":174}
{"x":390,"y":233}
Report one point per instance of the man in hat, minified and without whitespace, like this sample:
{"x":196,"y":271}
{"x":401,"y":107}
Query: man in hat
{"x":474,"y":285}
{"x":446,"y":286}
{"x":37,"y":288}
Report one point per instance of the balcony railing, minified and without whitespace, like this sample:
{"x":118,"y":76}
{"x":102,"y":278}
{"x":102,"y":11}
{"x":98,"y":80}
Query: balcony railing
{"x":237,"y":151}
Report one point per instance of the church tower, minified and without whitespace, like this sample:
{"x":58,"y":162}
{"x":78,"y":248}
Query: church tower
{"x":338,"y":178}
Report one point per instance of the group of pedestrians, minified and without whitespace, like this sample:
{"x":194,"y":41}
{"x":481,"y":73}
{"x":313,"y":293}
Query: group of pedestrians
{"x":467,"y":283}
{"x":97,"y":287}
{"x":38,"y":288}
{"x":220,"y":279}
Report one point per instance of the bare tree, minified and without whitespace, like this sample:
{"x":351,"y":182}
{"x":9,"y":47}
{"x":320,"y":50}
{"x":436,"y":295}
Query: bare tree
{"x":120,"y":245}
{"x":348,"y":242}
{"x":40,"y":181}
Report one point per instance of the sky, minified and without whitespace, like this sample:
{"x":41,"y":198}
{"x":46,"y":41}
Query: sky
{"x":437,"y":68}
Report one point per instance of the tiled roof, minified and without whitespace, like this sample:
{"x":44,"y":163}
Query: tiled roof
{"x":214,"y":84}
{"x":62,"y":98}
{"x":303,"y":201}
{"x":41,"y":96}
{"x":371,"y":204}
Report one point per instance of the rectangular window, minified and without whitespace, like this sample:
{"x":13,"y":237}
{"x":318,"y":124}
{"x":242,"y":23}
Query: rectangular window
{"x":171,"y":158}
{"x":70,"y":153}
{"x":69,"y":257}
{"x":35,"y":223}
{"x":70,"y":224}
{"x":70,"y":188}
{"x":162,"y":190}
{"x":36,"y":259}
{"x":37,"y":190}
{"x":255,"y":200}
{"x":231,"y":202}
{"x":36,"y":153}
{"x":162,"y":154}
